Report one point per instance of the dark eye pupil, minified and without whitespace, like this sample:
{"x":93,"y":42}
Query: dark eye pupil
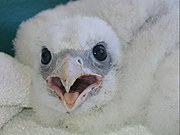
{"x":99,"y":52}
{"x":45,"y":56}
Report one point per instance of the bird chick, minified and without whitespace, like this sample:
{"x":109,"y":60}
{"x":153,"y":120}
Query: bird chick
{"x":75,"y":64}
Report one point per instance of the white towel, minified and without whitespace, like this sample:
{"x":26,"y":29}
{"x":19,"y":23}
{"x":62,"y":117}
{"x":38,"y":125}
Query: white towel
{"x":24,"y":125}
{"x":15,"y":81}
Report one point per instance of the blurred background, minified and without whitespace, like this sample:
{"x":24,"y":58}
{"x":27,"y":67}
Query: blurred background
{"x":13,"y":12}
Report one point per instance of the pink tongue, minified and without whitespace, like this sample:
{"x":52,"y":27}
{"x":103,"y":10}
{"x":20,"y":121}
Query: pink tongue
{"x":70,"y":98}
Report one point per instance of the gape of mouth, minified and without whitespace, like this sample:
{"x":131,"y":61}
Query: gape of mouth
{"x":81,"y":84}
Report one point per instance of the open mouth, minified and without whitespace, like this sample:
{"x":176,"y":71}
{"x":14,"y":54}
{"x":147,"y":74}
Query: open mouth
{"x":78,"y":91}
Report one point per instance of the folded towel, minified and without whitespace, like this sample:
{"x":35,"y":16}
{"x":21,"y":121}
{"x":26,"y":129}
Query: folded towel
{"x":15,"y":81}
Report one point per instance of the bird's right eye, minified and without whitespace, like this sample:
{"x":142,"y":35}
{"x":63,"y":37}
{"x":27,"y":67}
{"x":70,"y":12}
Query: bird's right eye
{"x":45,"y":56}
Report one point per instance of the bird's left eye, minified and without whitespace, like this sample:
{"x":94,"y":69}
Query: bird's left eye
{"x":45,"y":56}
{"x":99,"y":52}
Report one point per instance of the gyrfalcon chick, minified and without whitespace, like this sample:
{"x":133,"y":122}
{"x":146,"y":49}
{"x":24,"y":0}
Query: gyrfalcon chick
{"x":75,"y":64}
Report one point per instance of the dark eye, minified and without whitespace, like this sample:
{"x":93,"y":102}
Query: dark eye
{"x":99,"y":52}
{"x":45,"y":56}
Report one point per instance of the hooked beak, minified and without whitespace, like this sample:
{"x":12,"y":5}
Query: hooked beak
{"x":73,"y":82}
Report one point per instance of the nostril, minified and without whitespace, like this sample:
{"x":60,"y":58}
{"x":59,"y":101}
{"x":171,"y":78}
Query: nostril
{"x":79,"y":61}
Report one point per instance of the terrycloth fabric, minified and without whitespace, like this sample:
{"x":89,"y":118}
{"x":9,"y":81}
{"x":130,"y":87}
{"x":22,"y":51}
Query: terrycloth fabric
{"x":15,"y":81}
{"x":24,"y":125}
{"x":158,"y":27}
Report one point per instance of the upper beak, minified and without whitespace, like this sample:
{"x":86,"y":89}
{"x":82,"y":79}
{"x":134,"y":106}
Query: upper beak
{"x":72,"y":69}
